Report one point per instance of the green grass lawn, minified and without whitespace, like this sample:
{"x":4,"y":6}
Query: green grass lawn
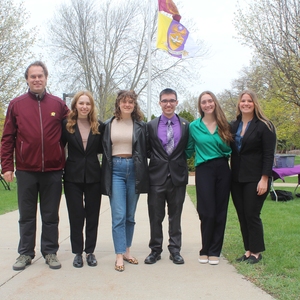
{"x":291,"y":179}
{"x":8,"y":199}
{"x":279,"y":271}
{"x":297,"y":160}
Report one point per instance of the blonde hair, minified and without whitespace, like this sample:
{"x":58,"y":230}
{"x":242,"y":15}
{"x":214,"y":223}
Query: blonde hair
{"x":257,"y":109}
{"x":73,"y":114}
{"x":223,"y":125}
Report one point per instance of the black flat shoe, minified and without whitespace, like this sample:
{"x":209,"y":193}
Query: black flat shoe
{"x":78,"y":262}
{"x":91,"y":260}
{"x":152,"y":258}
{"x":253,"y":260}
{"x":242,"y":258}
{"x":176,"y":258}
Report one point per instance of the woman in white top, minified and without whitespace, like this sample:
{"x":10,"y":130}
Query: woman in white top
{"x":125,"y":171}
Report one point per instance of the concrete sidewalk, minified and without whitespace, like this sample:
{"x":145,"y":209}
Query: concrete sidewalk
{"x":163,"y":280}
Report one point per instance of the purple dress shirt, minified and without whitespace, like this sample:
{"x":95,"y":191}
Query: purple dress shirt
{"x":162,"y":130}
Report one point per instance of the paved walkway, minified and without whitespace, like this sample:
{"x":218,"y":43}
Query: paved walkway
{"x":163,"y":280}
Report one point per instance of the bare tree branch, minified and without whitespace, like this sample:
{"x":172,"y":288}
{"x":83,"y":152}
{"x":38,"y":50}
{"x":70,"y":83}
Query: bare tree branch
{"x":103,"y":48}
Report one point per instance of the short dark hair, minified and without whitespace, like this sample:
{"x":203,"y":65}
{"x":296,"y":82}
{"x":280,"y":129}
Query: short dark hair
{"x":38,"y":64}
{"x":167,"y":91}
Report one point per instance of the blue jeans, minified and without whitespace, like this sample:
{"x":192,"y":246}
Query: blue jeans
{"x":123,"y":202}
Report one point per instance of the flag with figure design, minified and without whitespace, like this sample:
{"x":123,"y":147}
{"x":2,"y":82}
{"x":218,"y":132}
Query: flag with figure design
{"x":174,"y":38}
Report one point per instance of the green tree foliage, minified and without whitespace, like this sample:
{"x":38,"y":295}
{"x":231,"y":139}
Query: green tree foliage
{"x":285,"y":117}
{"x":16,"y":42}
{"x":186,"y":115}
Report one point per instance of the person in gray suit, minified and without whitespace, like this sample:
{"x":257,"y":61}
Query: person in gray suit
{"x":168,"y":172}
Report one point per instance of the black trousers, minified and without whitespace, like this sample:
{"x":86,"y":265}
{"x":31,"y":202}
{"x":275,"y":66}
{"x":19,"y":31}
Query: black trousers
{"x":248,"y":206}
{"x":213,"y":188}
{"x":83,"y":203}
{"x":158,"y":197}
{"x":47,"y":186}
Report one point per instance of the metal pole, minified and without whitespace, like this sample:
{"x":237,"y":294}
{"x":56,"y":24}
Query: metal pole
{"x":149,"y":64}
{"x":68,"y":95}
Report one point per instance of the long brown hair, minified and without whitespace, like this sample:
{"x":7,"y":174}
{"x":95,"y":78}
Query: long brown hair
{"x":73,"y":114}
{"x":137,"y":114}
{"x":223,"y":125}
{"x":257,"y":109}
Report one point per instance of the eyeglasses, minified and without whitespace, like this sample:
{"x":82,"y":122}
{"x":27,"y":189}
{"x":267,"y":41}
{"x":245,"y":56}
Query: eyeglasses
{"x":171,"y":101}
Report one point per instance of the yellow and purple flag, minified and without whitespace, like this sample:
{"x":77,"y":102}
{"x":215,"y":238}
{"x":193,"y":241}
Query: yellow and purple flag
{"x":174,"y":38}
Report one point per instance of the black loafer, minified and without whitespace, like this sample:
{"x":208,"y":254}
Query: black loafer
{"x":91,"y":260}
{"x":78,"y":262}
{"x":152,"y":258}
{"x":253,"y":260}
{"x":242,"y":258}
{"x":176,"y":258}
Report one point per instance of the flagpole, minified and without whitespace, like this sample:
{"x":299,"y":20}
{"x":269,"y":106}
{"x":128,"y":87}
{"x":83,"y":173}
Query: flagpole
{"x":149,"y":64}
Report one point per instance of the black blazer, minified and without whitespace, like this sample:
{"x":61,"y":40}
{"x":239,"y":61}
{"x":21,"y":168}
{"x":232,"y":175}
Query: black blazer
{"x":256,"y":156}
{"x":82,"y":165}
{"x":160,"y":163}
{"x":139,"y":155}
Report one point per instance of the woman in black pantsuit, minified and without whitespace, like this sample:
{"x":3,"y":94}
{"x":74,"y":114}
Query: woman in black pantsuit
{"x":83,"y":134}
{"x":251,"y":164}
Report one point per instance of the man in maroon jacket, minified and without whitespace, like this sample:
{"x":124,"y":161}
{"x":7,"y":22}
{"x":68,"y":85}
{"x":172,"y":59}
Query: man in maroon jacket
{"x":32,"y":136}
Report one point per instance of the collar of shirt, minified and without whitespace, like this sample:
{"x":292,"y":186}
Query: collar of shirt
{"x":164,"y":119}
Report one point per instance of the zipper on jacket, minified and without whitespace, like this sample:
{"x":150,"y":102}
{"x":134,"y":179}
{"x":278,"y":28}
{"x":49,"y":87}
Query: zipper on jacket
{"x":42,"y":132}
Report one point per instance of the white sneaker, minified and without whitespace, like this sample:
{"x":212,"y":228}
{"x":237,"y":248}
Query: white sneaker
{"x":213,"y":260}
{"x":203,"y":259}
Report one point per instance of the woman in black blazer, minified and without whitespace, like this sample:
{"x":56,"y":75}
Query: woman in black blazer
{"x":252,"y":159}
{"x":82,"y":133}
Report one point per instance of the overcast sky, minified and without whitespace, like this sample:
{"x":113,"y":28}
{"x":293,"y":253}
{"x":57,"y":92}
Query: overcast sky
{"x":214,"y":22}
{"x":214,"y":19}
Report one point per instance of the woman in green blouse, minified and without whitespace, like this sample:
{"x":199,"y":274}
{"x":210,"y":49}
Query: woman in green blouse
{"x":209,"y":139}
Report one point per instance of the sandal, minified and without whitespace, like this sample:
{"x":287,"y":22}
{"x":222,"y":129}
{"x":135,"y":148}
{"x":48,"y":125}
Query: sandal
{"x":133,"y":260}
{"x":119,"y":268}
